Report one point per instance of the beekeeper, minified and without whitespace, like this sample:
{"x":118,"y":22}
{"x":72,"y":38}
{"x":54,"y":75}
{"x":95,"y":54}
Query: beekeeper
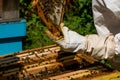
{"x":105,"y":44}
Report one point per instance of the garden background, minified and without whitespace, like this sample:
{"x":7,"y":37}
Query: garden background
{"x":78,"y":17}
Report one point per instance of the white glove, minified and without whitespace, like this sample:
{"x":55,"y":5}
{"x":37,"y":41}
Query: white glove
{"x":100,"y":47}
{"x":72,"y":41}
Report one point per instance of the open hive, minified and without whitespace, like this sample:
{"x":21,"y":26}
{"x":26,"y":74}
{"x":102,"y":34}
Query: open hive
{"x":50,"y":63}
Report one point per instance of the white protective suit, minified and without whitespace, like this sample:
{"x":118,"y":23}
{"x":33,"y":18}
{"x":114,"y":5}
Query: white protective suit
{"x":105,"y":44}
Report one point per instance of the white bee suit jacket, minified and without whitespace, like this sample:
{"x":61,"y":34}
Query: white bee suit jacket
{"x":106,"y":16}
{"x":107,"y":20}
{"x":105,"y":44}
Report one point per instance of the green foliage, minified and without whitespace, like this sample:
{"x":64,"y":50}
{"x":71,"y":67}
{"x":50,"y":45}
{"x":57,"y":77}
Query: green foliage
{"x":36,"y":36}
{"x":106,"y":63}
{"x":78,"y":17}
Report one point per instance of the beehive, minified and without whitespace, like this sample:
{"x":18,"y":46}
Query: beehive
{"x":11,"y":34}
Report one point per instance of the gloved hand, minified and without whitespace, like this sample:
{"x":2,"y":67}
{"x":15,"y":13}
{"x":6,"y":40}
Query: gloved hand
{"x":71,"y":41}
{"x":100,"y":47}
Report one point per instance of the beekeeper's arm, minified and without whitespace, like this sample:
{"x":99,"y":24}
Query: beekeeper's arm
{"x":106,"y":15}
{"x":105,"y":44}
{"x":100,"y":47}
{"x":97,"y":46}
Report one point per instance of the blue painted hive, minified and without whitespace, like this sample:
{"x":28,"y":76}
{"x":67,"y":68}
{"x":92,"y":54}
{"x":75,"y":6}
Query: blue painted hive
{"x":11,"y":34}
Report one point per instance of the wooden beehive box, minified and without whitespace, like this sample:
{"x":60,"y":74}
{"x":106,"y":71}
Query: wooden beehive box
{"x":9,"y":10}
